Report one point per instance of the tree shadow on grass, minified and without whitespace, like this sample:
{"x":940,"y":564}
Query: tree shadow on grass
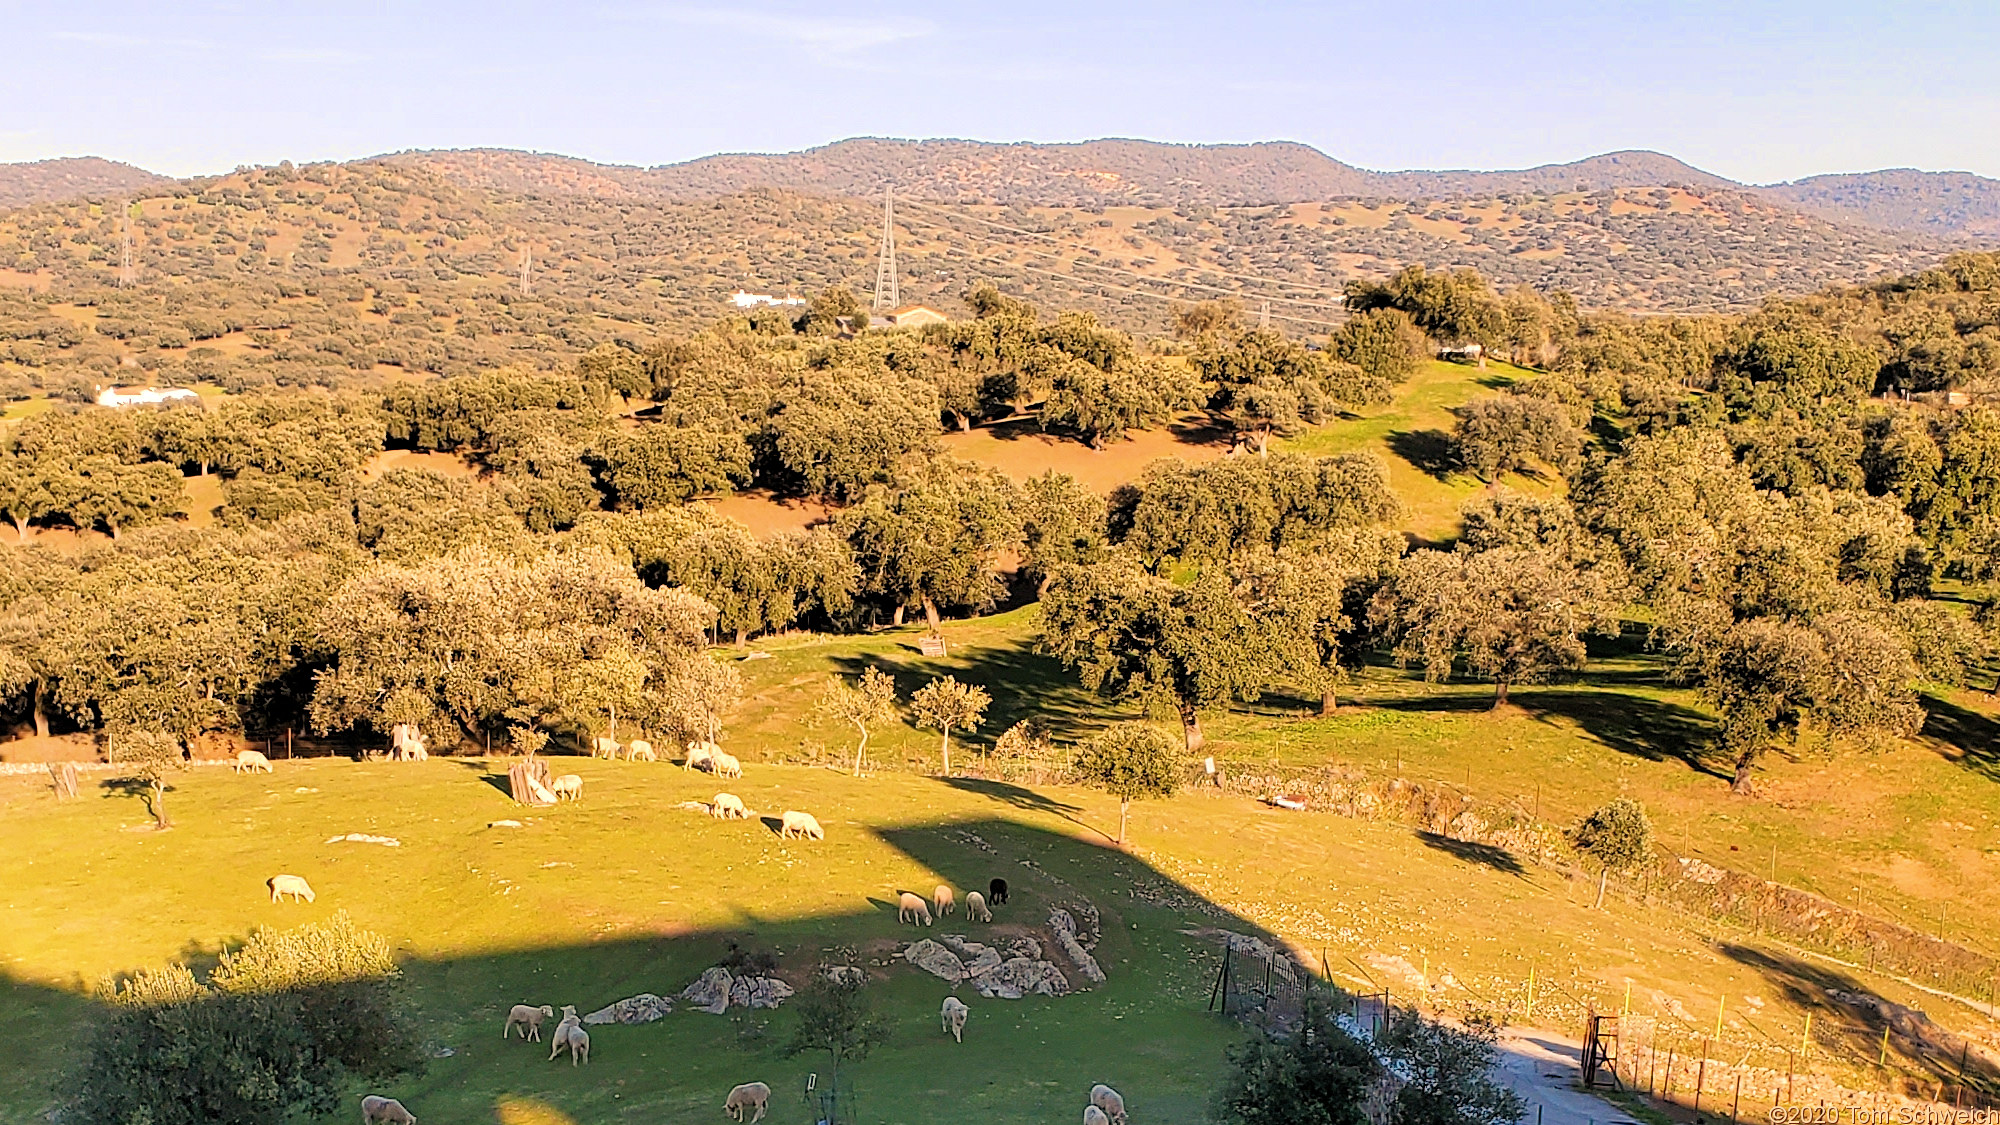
{"x":1021,"y":798}
{"x":1431,"y":451}
{"x":1964,"y":736}
{"x":1024,"y":684}
{"x":1654,"y":729}
{"x":1486,"y":855}
{"x":1853,"y":1032}
{"x":1147,"y":1020}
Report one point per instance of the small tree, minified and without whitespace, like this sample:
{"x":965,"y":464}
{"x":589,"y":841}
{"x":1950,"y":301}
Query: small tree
{"x":1129,"y":761}
{"x":1320,"y":1074}
{"x":1448,"y":1074}
{"x":868,"y":701}
{"x":152,"y":755}
{"x":527,"y":741}
{"x":835,"y":1016}
{"x":1616,"y":835}
{"x":945,"y":704}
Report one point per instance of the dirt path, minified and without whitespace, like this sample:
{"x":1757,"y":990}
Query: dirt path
{"x":1541,"y":1066}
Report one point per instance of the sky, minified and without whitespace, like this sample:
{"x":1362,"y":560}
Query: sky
{"x":1757,"y":92}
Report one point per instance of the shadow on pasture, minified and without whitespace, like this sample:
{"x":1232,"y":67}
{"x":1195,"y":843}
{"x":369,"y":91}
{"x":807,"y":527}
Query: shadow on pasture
{"x":1430,"y":451}
{"x":1014,"y":796}
{"x":775,"y":824}
{"x":1485,"y":855}
{"x":1855,"y":1030}
{"x":1157,"y":937}
{"x":1963,"y":735}
{"x":1023,"y":683}
{"x":1654,"y":729}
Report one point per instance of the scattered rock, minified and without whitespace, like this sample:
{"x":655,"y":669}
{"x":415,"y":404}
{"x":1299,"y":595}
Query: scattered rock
{"x":841,"y":974}
{"x":1701,"y":872}
{"x":1018,"y":977}
{"x":717,"y":991}
{"x":758,"y":992}
{"x":756,"y":656}
{"x":1064,"y":928}
{"x":936,"y":960}
{"x":363,"y":838}
{"x":503,"y":824}
{"x":643,"y":1008}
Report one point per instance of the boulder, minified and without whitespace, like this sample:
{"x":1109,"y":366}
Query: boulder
{"x":1064,"y":927}
{"x":758,"y":992}
{"x":643,"y":1008}
{"x":936,"y":960}
{"x":1018,"y":977}
{"x":710,"y":993}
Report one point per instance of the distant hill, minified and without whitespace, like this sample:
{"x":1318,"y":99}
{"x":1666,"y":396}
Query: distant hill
{"x":1950,"y":203}
{"x":1102,"y":173}
{"x":72,"y":177}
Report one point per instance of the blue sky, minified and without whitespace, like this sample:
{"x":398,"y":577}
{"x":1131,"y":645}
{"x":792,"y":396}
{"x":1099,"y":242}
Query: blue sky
{"x":1754,"y":91}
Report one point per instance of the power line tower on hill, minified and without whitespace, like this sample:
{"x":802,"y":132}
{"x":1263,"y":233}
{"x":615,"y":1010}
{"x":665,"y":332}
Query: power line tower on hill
{"x":126,"y":273}
{"x":886,"y":297}
{"x":527,"y":268}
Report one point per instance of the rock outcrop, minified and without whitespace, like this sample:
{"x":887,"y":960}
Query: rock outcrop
{"x":643,"y":1008}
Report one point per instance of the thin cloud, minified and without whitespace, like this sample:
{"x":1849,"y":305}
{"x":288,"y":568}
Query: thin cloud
{"x":272,"y":54}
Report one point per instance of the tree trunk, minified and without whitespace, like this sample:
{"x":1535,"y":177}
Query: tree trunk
{"x":1499,"y":694}
{"x":1191,"y":727}
{"x":945,"y":746}
{"x":964,"y":423}
{"x":1741,"y":784}
{"x":20,"y":529}
{"x":41,"y":713}
{"x":931,"y":613}
{"x":1263,"y":443}
{"x":860,"y":749}
{"x":1124,"y":814}
{"x":159,"y":803}
{"x":1042,"y":591}
{"x":1329,"y":702}
{"x":897,"y":619}
{"x":1603,"y":873}
{"x":114,"y":529}
{"x":742,"y":638}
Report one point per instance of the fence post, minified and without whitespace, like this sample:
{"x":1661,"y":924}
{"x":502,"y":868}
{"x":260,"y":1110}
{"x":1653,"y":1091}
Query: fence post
{"x":1700,"y":1079}
{"x":1738,"y":1103}
{"x":1667,"y":1092}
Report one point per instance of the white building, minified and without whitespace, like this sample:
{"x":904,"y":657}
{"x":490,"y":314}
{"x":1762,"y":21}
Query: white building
{"x":743,"y":300}
{"x":146,"y":396}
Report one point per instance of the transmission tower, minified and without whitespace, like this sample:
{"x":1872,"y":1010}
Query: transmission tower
{"x":527,"y":268}
{"x":1264,"y":316}
{"x":126,"y":273}
{"x":886,"y":297}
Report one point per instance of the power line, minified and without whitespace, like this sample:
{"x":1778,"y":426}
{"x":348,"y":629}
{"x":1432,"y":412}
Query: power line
{"x":1338,"y":307}
{"x":1097,"y":284}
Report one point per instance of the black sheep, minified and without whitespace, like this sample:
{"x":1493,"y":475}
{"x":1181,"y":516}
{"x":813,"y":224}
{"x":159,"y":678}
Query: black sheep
{"x":996,"y":892}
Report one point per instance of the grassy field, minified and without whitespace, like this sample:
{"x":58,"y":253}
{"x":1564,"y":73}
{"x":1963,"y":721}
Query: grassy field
{"x":627,"y":892}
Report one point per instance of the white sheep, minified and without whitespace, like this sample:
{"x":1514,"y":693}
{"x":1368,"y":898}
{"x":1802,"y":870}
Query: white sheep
{"x":792,"y":824}
{"x":942,"y":900}
{"x":604,"y":748}
{"x":699,"y":755}
{"x":568,"y":786}
{"x":1094,"y":1116}
{"x":559,"y":1038}
{"x":378,"y":1110}
{"x":750,"y":1095}
{"x":578,"y":1042}
{"x":975,"y":907}
{"x":529,"y":1019}
{"x":724,"y":765}
{"x":1110,"y":1101}
{"x":728,"y":806}
{"x":639,"y":750}
{"x":251,"y":761}
{"x":952,"y":1015}
{"x":293,"y":885}
{"x":913,"y":909}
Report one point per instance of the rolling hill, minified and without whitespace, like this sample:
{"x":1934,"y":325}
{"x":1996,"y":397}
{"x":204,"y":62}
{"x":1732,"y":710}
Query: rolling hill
{"x":72,"y":177}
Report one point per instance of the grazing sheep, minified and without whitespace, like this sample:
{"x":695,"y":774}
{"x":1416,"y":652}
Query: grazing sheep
{"x":378,"y":1110}
{"x":578,"y":1042}
{"x":792,"y":824}
{"x":724,"y":765}
{"x":252,"y":761}
{"x":942,"y":900}
{"x":293,"y":885}
{"x":529,"y":1019}
{"x":913,"y":909}
{"x":639,"y":750}
{"x":952,"y":1015}
{"x":1110,"y":1101}
{"x":1094,"y":1116}
{"x":568,"y":786}
{"x":699,"y":755}
{"x":604,"y":748}
{"x":750,"y":1095}
{"x":996,"y":892}
{"x":728,"y":806}
{"x":975,"y":907}
{"x":559,"y":1038}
